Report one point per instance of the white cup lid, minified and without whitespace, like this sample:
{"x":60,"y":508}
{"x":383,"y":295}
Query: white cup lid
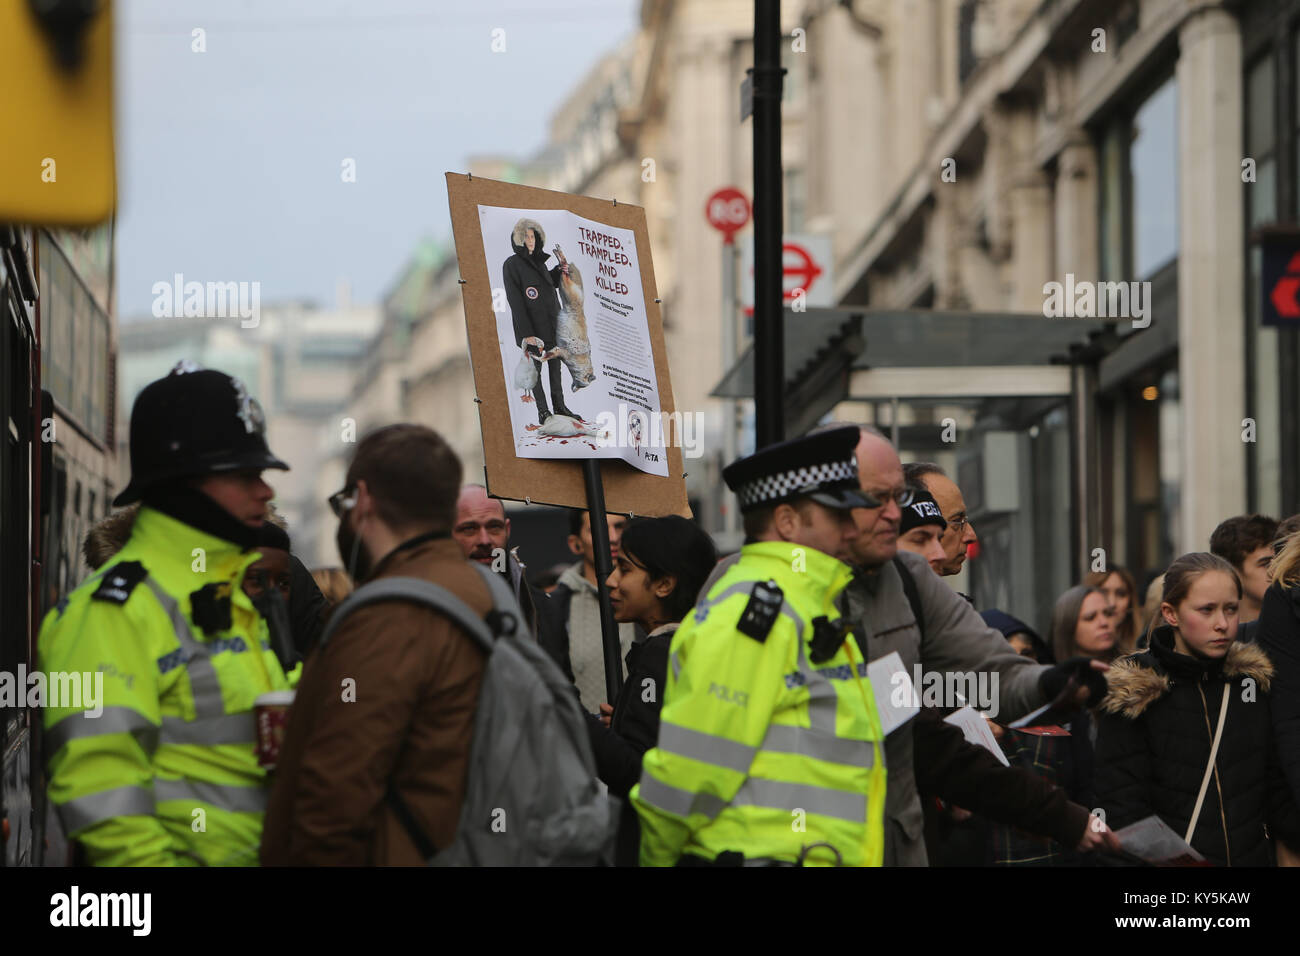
{"x":273,"y":698}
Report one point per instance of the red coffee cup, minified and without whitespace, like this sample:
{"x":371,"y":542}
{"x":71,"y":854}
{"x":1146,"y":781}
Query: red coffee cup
{"x":271,"y":712}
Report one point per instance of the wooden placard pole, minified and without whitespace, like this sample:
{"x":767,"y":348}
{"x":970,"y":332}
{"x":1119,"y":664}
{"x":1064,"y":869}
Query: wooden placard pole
{"x":600,"y":551}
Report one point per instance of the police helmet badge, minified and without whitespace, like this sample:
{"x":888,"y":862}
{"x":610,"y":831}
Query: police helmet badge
{"x":250,"y":411}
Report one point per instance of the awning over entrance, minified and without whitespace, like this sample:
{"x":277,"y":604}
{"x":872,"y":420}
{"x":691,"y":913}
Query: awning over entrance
{"x":834,"y":355}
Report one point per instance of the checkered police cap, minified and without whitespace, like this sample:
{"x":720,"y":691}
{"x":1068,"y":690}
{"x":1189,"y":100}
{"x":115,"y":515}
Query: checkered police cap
{"x":784,"y":484}
{"x":821,"y":466}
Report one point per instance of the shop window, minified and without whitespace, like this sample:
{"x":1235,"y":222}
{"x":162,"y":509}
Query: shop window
{"x":1153,"y":166}
{"x":1261,"y":141}
{"x":1262,"y":208}
{"x":1139,"y":188}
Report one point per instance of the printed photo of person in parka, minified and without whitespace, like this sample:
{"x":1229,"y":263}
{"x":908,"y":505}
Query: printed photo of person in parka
{"x":531,"y":291}
{"x":1158,"y":722}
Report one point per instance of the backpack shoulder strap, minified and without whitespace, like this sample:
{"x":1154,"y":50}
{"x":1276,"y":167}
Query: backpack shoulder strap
{"x":913,"y":595}
{"x":417,"y":591}
{"x":505,"y":618}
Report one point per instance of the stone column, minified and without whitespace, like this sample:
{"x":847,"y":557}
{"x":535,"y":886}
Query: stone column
{"x":1076,"y":210}
{"x":1211,"y":321}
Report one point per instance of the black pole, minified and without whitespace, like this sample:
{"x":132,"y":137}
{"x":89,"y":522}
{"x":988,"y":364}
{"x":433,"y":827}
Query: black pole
{"x":769,"y":344}
{"x":600,"y":552}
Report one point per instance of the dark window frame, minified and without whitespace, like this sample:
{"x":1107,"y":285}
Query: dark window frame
{"x":1275,"y":29}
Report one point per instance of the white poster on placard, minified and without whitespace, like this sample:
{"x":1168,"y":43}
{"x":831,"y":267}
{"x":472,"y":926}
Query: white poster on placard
{"x":574,"y":337}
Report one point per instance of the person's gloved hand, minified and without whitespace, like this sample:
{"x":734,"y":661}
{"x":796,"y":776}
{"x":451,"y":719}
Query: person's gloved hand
{"x":1077,"y":682}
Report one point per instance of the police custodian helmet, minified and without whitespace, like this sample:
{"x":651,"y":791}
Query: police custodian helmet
{"x":194,"y":422}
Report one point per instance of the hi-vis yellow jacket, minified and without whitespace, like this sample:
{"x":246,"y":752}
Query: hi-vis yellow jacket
{"x":760,"y":751}
{"x":167,"y":774}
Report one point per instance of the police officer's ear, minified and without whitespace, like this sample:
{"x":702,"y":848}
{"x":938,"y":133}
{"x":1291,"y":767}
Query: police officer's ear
{"x":785,"y":521}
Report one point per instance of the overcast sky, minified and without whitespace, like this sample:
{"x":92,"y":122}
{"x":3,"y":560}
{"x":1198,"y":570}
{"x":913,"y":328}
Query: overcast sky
{"x":229,"y":160}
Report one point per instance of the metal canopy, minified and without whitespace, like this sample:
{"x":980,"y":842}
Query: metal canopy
{"x":820,"y":346}
{"x":824,"y":347}
{"x":924,"y":337}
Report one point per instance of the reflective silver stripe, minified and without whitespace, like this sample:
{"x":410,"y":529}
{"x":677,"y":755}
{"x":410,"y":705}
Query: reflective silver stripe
{"x":210,"y":731}
{"x":203,"y":678}
{"x":784,"y":739}
{"x":823,"y":702}
{"x":779,"y":795}
{"x":703,"y":607}
{"x":707,"y":748}
{"x":788,"y":611}
{"x":677,"y":666}
{"x":114,"y":720}
{"x":97,"y":807}
{"x":744,"y":587}
{"x":683,"y":803}
{"x":235,"y":799}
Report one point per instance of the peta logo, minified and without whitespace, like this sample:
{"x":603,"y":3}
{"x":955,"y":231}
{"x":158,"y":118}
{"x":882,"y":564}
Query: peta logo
{"x":102,"y":909}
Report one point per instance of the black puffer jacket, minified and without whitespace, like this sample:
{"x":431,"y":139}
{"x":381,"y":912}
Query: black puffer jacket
{"x":1279,"y":637}
{"x":633,"y":729}
{"x":531,"y":287}
{"x":1153,"y":742}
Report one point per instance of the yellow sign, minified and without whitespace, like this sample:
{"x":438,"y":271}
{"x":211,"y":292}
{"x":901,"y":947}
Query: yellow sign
{"x":56,"y":118}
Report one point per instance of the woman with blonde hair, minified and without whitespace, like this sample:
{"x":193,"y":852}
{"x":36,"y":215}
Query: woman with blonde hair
{"x":1120,"y":589}
{"x":1278,"y":636}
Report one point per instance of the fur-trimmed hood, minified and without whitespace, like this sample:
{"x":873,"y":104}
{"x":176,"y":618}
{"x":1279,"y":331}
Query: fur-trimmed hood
{"x":108,"y":536}
{"x":1138,"y":681}
{"x":517,"y":236}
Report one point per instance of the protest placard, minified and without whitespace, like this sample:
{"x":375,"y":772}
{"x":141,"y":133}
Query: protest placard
{"x":567,"y":348}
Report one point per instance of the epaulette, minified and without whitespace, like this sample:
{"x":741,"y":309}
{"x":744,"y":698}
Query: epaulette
{"x":119,"y":581}
{"x":761,"y":611}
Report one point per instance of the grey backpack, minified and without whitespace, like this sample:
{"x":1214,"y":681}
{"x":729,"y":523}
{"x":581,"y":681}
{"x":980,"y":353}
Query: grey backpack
{"x":531,"y":794}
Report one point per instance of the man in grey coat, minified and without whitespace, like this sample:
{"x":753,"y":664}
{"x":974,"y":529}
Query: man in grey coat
{"x":953,"y":638}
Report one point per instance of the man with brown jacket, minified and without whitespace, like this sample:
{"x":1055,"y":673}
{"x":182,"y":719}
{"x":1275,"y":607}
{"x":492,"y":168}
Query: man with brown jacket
{"x":391,"y":699}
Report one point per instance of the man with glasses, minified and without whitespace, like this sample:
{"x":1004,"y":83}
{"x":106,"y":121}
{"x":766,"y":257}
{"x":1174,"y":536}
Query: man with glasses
{"x":882,"y":605}
{"x":381,"y":727}
{"x":960,"y":535}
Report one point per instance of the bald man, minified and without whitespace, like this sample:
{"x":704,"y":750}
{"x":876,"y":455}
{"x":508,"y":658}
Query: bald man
{"x":483,"y":532}
{"x":947,"y":636}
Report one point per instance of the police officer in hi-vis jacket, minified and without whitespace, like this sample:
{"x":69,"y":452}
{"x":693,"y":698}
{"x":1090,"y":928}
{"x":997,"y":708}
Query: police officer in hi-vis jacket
{"x":167,"y":774}
{"x":770,"y":745}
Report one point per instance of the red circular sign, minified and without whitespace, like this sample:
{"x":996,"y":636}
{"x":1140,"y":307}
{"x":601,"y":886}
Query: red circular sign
{"x":727,"y":211}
